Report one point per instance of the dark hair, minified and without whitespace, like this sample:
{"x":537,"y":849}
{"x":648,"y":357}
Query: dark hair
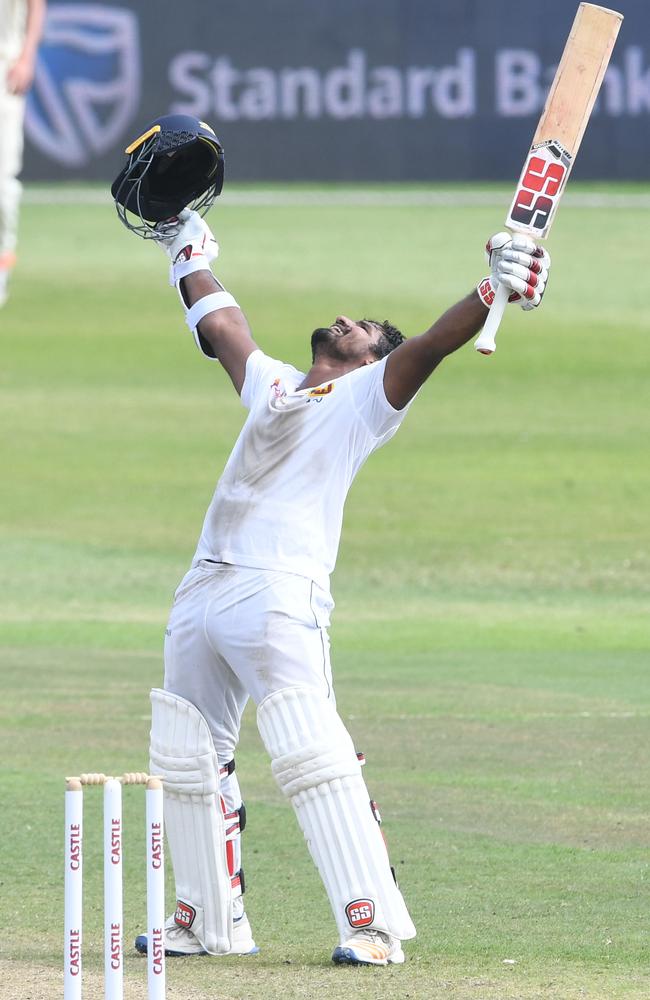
{"x":390,"y":339}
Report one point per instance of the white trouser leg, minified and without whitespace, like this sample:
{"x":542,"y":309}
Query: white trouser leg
{"x":316,"y":766}
{"x":12,"y":110}
{"x":235,"y":632}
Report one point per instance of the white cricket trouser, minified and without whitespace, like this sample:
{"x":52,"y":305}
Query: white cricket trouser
{"x":12,"y":112}
{"x":235,"y":632}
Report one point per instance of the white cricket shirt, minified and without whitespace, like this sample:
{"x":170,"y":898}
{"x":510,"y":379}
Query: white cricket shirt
{"x":279,"y":502}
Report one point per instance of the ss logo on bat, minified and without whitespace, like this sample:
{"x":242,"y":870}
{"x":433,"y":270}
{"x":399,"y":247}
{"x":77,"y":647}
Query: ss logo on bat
{"x":540,"y":187}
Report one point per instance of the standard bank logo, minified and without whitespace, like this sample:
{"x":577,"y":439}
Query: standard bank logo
{"x":87,"y":84}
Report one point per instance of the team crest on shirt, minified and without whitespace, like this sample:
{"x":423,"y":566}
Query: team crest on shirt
{"x":320,"y":391}
{"x":313,"y":395}
{"x":276,"y":387}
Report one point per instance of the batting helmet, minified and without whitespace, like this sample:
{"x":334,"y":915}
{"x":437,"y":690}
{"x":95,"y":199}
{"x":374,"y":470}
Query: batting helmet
{"x":176,"y":163}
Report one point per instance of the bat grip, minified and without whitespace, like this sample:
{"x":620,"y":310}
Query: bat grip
{"x":485,"y":342}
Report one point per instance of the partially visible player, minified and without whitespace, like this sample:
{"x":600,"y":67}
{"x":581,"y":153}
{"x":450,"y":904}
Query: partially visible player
{"x":251,"y":617}
{"x":21,"y":27}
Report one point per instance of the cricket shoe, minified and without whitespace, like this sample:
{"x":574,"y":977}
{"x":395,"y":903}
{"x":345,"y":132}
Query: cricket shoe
{"x":180,"y":943}
{"x":7,"y":261}
{"x":369,"y":947}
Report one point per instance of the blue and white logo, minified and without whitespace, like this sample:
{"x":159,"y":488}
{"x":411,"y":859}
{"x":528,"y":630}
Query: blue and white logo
{"x":87,"y":85}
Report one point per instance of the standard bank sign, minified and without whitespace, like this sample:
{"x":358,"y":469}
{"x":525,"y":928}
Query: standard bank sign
{"x":87,"y":85}
{"x":446,"y":94}
{"x":504,"y":82}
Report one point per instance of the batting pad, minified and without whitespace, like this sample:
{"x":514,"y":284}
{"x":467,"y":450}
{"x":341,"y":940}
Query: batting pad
{"x":315,"y":765}
{"x":183,"y":754}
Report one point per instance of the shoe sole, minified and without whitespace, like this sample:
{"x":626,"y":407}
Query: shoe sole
{"x":347,"y":956}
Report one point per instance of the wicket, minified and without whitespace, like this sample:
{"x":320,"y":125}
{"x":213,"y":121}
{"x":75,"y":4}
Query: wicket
{"x":113,"y":908}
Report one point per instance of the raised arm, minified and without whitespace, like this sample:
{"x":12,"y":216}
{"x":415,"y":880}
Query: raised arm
{"x":222,"y":333}
{"x":519,"y":264}
{"x":219,"y":326}
{"x":410,"y":364}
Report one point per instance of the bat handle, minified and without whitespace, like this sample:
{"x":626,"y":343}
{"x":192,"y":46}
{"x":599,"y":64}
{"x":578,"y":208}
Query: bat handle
{"x":485,"y":342}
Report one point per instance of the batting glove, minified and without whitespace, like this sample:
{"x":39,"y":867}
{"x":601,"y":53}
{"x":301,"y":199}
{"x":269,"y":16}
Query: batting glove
{"x":520,"y":264}
{"x":190,"y":247}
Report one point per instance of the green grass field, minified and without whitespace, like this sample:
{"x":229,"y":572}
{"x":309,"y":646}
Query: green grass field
{"x":491,"y":642}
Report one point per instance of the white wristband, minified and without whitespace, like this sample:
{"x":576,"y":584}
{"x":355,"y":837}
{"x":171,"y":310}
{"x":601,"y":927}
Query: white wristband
{"x":208,"y":304}
{"x":182,"y":268}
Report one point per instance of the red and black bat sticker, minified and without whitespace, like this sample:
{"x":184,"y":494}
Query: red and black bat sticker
{"x":540,"y":187}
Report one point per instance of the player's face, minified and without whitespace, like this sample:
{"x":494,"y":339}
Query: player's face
{"x":347,"y":339}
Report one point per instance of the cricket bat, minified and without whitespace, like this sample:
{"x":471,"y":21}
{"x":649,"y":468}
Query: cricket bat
{"x":559,"y":133}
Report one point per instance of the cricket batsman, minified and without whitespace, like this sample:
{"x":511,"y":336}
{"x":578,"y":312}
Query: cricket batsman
{"x":250,"y":618}
{"x":21,"y":27}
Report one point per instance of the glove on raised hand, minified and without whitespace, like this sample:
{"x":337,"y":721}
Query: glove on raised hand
{"x":190,"y":248}
{"x":520,"y":264}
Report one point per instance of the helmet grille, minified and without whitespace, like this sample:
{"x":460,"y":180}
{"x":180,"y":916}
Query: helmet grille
{"x":171,"y":169}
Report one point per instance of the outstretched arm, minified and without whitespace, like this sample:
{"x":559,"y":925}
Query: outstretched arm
{"x":225,"y":330}
{"x":219,"y":326}
{"x":410,"y":364}
{"x":517,"y":262}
